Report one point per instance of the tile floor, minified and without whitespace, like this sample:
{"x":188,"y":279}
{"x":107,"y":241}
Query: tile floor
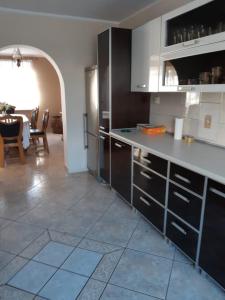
{"x":67,"y":237}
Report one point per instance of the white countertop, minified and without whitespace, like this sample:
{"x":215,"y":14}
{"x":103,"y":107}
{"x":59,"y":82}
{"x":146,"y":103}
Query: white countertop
{"x":202,"y":158}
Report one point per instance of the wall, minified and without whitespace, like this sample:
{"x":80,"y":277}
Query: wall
{"x":152,"y":11}
{"x":194,"y":107}
{"x":72,"y":44}
{"x":48,"y":83}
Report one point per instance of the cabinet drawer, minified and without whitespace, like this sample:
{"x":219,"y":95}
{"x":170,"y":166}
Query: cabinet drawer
{"x":151,"y":183}
{"x":187,"y":178}
{"x":150,"y":209}
{"x":184,"y":237}
{"x":151,"y":161}
{"x":185,"y":205}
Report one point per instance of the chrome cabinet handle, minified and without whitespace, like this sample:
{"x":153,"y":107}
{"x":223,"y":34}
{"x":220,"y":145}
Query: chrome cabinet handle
{"x":190,"y":43}
{"x":178,"y":176}
{"x":217,"y":192}
{"x":102,"y":127}
{"x":102,"y":137}
{"x":141,"y":86}
{"x":118,"y":145}
{"x":144,"y":201}
{"x":178,"y":228}
{"x":146,"y":160}
{"x":185,"y":199}
{"x":145,"y":175}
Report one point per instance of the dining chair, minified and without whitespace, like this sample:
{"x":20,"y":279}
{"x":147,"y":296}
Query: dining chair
{"x":11,"y":130}
{"x":35,"y":134}
{"x":34,"y":118}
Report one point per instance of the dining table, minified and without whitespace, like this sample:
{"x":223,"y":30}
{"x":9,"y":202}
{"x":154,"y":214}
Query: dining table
{"x":26,"y":130}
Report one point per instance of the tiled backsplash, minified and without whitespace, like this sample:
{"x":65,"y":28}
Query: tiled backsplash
{"x":194,"y":107}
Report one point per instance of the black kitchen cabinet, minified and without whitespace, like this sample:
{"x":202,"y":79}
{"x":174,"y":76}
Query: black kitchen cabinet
{"x":121,"y":168}
{"x":182,"y":235}
{"x":103,"y":75}
{"x":185,"y":205}
{"x":104,"y":157}
{"x":149,"y":182}
{"x":118,"y":106}
{"x":149,"y":208}
{"x":213,"y":237}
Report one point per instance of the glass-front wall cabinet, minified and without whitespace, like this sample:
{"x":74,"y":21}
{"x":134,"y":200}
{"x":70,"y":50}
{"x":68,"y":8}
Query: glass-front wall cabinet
{"x":198,"y":23}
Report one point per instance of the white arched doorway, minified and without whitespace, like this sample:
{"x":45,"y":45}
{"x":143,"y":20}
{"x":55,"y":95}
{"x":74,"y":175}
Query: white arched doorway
{"x":38,"y":52}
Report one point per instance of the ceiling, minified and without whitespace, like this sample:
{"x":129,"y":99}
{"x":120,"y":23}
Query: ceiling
{"x":111,"y":10}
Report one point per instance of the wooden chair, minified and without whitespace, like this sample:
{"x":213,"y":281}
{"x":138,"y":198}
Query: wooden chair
{"x":11,"y":130}
{"x":35,"y":134}
{"x":34,"y":118}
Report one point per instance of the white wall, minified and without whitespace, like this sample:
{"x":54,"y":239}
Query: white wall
{"x":72,"y":45}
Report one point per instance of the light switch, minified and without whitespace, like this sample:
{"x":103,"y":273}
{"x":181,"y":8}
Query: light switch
{"x":208,"y":121}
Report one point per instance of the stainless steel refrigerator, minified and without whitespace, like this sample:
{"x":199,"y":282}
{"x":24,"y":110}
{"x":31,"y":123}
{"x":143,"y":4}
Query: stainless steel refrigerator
{"x":91,"y":119}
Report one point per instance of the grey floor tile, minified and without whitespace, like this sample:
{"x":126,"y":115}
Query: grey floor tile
{"x":32,"y":277}
{"x":107,"y":265}
{"x":180,"y":257}
{"x":54,"y":254}
{"x":63,"y":286}
{"x":5,"y":258}
{"x":16,"y":237}
{"x":82,"y":262}
{"x":92,"y":290}
{"x":187,"y":284}
{"x":64,"y":238}
{"x":148,"y":239}
{"x":98,"y":246}
{"x":11,"y":293}
{"x":117,"y":232}
{"x":36,"y":246}
{"x":11,"y":269}
{"x":4,"y":223}
{"x":143,"y":273}
{"x":116,"y":293}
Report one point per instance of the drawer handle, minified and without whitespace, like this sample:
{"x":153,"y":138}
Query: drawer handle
{"x":102,"y":127}
{"x":141,"y":86}
{"x":145,"y":175}
{"x":146,"y":160}
{"x":185,"y":199}
{"x":217,"y":192}
{"x":102,"y":137}
{"x":144,"y":201}
{"x":118,"y":145}
{"x":178,"y":176}
{"x":190,"y":43}
{"x":178,"y":228}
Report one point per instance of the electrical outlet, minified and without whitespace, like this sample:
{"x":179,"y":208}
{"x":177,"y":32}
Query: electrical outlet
{"x":208,"y":121}
{"x":157,"y":100}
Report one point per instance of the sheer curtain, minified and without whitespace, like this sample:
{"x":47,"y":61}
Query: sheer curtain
{"x":19,"y":86}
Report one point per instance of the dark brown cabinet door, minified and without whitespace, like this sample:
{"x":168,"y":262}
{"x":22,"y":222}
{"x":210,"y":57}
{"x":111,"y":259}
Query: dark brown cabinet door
{"x":103,"y":71}
{"x":104,"y":157}
{"x":213,"y":238}
{"x":121,"y":168}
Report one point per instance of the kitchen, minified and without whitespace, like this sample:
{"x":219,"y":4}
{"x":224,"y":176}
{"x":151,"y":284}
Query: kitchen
{"x":176,"y":181}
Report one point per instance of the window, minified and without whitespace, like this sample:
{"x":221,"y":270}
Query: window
{"x":19,"y":86}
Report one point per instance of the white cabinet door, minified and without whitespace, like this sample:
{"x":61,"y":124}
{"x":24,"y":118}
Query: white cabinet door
{"x":145,"y":57}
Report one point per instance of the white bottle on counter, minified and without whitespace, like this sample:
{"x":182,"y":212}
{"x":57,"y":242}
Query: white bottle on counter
{"x":178,"y":131}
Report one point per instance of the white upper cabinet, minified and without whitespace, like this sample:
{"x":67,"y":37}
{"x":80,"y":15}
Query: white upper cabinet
{"x":146,"y":57}
{"x":195,"y":24}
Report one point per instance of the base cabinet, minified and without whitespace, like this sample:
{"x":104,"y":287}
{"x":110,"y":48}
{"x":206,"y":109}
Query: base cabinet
{"x":213,"y":237}
{"x":104,"y":157}
{"x":121,"y":168}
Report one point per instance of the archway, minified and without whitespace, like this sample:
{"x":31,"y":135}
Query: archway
{"x":60,"y":78}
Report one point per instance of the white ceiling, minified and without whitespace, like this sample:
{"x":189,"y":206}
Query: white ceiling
{"x":112,"y":10}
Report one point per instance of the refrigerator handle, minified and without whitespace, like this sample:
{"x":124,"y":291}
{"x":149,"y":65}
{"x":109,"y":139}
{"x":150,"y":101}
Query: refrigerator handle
{"x":85,"y":130}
